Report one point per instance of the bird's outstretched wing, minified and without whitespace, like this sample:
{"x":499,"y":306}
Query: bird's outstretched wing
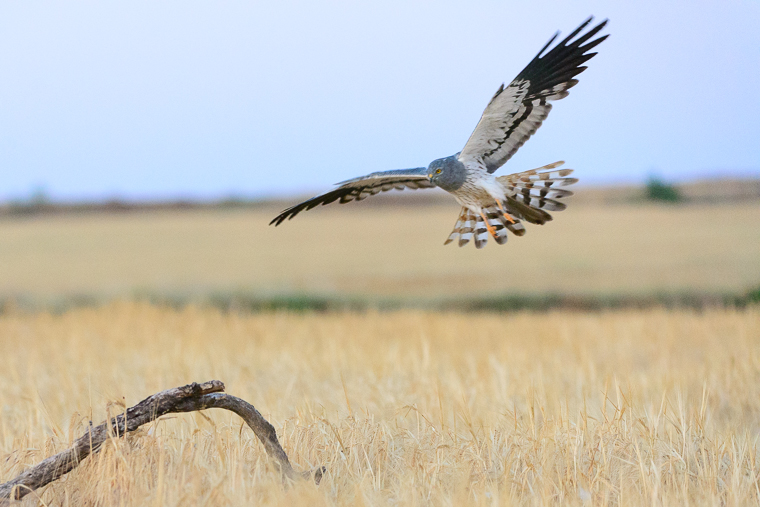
{"x":515,"y":112}
{"x":358,"y":188}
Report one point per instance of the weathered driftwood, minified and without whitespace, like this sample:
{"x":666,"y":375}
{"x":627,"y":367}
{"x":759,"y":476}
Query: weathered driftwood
{"x":188,"y":398}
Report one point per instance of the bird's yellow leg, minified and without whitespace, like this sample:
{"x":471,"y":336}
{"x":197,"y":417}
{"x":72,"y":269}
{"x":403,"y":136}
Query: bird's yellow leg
{"x":488,"y":225}
{"x":506,"y":215}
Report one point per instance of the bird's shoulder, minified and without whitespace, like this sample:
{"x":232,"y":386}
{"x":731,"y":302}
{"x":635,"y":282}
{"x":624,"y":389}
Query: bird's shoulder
{"x":473,"y":164}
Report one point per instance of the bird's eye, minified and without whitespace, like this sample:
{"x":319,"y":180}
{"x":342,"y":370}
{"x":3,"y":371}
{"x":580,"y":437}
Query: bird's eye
{"x":437,"y":171}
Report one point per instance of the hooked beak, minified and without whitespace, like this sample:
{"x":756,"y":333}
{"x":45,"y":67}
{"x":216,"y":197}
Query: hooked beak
{"x":430,"y":177}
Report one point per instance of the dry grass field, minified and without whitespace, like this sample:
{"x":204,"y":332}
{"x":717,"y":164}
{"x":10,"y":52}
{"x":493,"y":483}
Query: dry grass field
{"x":403,"y":408}
{"x":364,"y":249}
{"x":410,"y":407}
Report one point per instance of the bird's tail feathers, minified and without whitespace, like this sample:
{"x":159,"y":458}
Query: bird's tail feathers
{"x":530,"y":214}
{"x":530,"y":196}
{"x":464,"y":228}
{"x":538,"y":190}
{"x":471,"y":225}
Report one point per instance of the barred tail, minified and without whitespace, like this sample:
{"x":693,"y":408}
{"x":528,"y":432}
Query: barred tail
{"x":470,"y":224}
{"x":530,"y":194}
{"x":464,"y":228}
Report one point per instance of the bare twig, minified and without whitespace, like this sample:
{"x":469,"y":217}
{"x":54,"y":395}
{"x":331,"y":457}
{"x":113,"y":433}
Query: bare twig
{"x":188,"y":398}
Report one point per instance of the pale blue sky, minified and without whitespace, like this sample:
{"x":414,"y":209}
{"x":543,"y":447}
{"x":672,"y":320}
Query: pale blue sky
{"x":199,"y":99}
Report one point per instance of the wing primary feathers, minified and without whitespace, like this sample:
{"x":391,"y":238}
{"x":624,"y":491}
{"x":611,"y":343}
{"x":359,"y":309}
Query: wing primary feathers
{"x":357,"y":189}
{"x":598,"y":28}
{"x":563,"y":61}
{"x":580,"y":28}
{"x":594,"y":43}
{"x":516,"y":111}
{"x":554,"y":37}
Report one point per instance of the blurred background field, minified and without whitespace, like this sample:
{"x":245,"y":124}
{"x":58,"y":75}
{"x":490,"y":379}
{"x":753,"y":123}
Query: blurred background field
{"x":608,"y":244}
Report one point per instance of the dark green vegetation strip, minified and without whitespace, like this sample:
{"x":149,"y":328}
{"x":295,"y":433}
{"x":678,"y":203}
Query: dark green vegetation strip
{"x":602,"y":302}
{"x":253,"y":303}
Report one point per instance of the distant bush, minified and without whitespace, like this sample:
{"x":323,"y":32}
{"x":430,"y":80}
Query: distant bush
{"x":36,"y":202}
{"x":658,"y":190}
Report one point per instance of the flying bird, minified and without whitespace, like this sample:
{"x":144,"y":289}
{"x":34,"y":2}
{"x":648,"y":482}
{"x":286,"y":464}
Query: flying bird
{"x":493,"y":204}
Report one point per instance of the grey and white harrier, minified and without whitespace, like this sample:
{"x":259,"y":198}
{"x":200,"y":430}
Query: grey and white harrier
{"x":493,"y":204}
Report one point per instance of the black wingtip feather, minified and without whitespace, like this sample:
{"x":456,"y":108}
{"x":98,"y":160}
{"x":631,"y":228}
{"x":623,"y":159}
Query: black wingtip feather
{"x":579,"y":41}
{"x":577,"y":31}
{"x":594,"y":43}
{"x":554,"y":37}
{"x":562,"y":62}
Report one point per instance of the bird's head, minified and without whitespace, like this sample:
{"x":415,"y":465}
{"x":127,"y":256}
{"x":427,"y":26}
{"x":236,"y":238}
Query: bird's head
{"x":448,"y":173}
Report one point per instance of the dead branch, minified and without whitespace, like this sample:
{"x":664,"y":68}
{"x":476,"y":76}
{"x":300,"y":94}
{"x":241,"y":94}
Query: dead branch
{"x":188,"y":398}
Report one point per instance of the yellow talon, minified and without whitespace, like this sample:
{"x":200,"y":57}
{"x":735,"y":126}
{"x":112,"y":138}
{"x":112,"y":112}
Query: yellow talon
{"x":488,"y":225}
{"x":506,"y":215}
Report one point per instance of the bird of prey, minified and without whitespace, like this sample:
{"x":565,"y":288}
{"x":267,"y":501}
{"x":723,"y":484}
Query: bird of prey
{"x":492,"y":204}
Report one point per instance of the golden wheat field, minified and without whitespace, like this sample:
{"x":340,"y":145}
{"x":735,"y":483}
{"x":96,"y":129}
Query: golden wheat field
{"x":410,"y":407}
{"x":403,"y":408}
